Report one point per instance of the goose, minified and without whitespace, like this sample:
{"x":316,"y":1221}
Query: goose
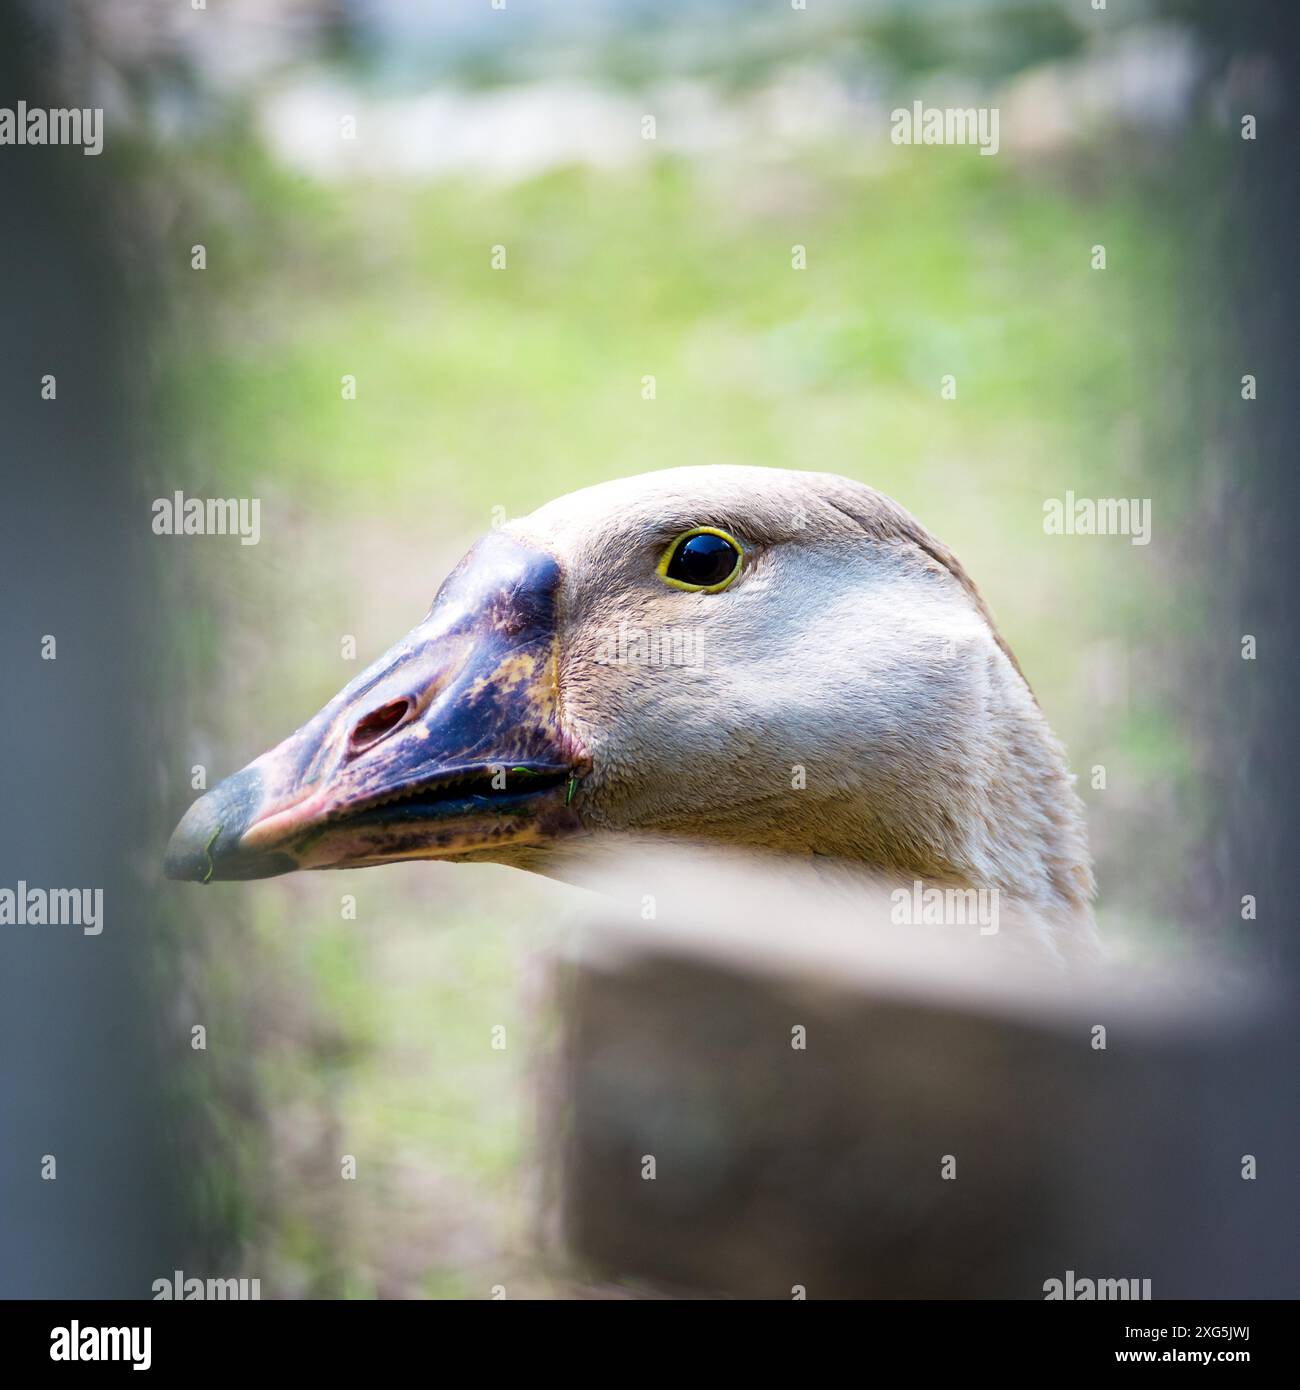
{"x":778,"y":662}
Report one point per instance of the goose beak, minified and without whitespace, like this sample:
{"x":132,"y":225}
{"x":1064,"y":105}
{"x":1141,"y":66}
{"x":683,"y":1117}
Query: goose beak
{"x":449,"y":745}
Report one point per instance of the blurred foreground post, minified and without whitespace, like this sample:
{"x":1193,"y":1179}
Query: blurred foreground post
{"x":765,"y":1093}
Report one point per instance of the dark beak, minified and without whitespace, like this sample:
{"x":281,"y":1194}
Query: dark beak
{"x":450,"y":745}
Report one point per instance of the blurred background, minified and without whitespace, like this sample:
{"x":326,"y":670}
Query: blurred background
{"x":366,"y":249}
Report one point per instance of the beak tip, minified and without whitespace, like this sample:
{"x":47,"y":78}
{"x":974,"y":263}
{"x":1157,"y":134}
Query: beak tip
{"x":188,"y":856}
{"x":178,"y":867}
{"x":205,"y":845}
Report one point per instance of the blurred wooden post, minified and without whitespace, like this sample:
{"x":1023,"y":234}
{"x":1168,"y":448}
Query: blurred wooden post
{"x":778,"y":1167}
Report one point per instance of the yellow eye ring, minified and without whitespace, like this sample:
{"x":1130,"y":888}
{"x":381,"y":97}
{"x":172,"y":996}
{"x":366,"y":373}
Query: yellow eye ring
{"x":703,"y":560}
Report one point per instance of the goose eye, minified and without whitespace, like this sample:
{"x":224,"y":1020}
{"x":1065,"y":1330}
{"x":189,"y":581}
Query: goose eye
{"x":704,"y":559}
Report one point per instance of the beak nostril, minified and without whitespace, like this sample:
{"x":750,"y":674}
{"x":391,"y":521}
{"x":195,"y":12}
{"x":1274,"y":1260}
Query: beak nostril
{"x":378,"y":724}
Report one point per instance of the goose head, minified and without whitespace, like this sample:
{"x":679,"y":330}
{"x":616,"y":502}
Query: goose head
{"x":774,"y":660}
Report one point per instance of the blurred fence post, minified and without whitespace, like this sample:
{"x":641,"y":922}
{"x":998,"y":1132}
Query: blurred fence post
{"x":745,"y":1130}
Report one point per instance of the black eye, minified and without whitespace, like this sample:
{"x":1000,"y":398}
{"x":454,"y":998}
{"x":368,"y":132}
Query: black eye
{"x":702,"y":559}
